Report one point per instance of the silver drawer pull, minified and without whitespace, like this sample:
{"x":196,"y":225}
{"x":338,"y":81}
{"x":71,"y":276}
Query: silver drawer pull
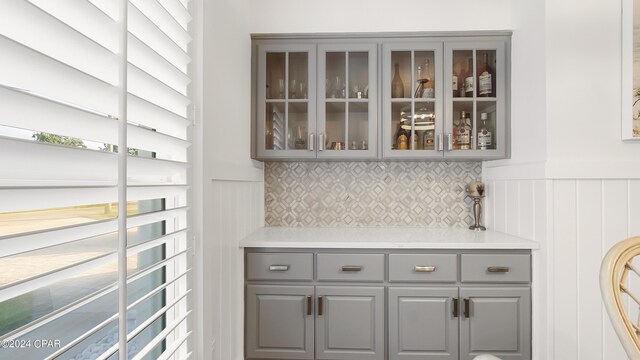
{"x":352,"y":268}
{"x":498,"y":269}
{"x":278,"y":267}
{"x":424,"y":268}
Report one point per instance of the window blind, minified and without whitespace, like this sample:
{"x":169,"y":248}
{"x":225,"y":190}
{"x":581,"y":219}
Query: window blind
{"x":91,"y":266}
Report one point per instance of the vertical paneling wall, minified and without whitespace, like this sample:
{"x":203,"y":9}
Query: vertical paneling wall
{"x":584,"y":218}
{"x":237,"y":210}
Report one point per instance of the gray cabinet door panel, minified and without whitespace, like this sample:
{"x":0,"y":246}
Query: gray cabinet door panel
{"x":278,"y":324}
{"x":351,"y":326}
{"x":499,"y":323}
{"x":421,"y":324}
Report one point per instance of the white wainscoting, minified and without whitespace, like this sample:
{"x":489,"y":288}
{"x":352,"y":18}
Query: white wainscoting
{"x":575,"y":222}
{"x":235,"y":209}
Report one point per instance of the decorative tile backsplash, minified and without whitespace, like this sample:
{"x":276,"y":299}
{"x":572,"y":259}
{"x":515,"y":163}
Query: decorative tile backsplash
{"x":363,"y":194}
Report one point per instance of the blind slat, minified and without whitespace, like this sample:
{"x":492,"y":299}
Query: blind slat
{"x":85,"y":17}
{"x":55,"y":165}
{"x":30,"y":112}
{"x":148,"y":114}
{"x":31,"y":70}
{"x":24,"y":287}
{"x":153,"y":90}
{"x":165,"y":22}
{"x":178,"y":11}
{"x":40,"y":240}
{"x":143,"y":57}
{"x":150,"y":34}
{"x":175,"y":346}
{"x":160,"y":337}
{"x":25,"y":23}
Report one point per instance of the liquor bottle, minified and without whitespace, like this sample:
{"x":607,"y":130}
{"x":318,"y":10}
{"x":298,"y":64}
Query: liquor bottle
{"x":484,"y":135}
{"x":464,"y":131}
{"x":468,"y":80}
{"x":414,"y":139}
{"x":463,"y":75}
{"x":402,"y":140}
{"x":420,"y":88}
{"x":428,"y":140}
{"x":485,"y":78}
{"x":455,"y":83}
{"x":397,"y":87}
{"x":457,"y":123}
{"x":429,"y":91}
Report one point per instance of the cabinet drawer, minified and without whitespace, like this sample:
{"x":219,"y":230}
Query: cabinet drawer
{"x":496,"y":268}
{"x":423,"y":267}
{"x":280,"y":266}
{"x":351,"y":267}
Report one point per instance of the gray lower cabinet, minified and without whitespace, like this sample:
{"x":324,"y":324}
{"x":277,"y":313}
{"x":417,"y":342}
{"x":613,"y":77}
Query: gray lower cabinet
{"x":497,"y":321}
{"x":279,"y":322}
{"x":388,"y":305}
{"x":350,"y":323}
{"x":422,"y":323}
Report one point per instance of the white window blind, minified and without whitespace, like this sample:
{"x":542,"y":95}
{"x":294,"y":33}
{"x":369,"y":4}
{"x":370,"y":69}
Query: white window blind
{"x":91,"y":266}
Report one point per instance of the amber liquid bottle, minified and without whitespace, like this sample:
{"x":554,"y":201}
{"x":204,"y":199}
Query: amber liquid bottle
{"x":397,"y":87}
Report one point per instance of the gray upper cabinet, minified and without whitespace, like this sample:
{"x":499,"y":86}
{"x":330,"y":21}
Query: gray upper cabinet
{"x":497,"y":321}
{"x":413,"y":100}
{"x":476,"y":110}
{"x":446,"y":99}
{"x":316,"y":101}
{"x":286,"y":92}
{"x":423,"y":97}
{"x":347,"y":106}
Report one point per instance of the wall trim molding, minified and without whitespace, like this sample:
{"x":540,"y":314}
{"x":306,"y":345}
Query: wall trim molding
{"x":563,"y":169}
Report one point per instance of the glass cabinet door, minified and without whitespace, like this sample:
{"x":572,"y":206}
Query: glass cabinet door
{"x":347,"y":101}
{"x":413,"y":111}
{"x":475,"y":95}
{"x":286,"y":111}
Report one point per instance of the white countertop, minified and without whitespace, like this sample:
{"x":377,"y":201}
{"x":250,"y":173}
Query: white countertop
{"x":383,"y":238}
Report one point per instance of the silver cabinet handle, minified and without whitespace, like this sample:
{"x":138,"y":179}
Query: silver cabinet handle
{"x":498,"y":269}
{"x":311,"y":138}
{"x":424,"y":268}
{"x":278,"y":267}
{"x":320,"y":142}
{"x":352,"y":268}
{"x":309,"y":305}
{"x":449,"y":142}
{"x":439,"y":143}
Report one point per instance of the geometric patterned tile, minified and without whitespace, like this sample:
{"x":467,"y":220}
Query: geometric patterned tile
{"x":366,"y":194}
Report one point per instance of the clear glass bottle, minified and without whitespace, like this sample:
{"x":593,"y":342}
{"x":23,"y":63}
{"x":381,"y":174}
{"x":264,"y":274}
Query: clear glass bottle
{"x":468,"y":80}
{"x":457,"y":124}
{"x":484,"y":135}
{"x":397,"y":87}
{"x":428,"y":140}
{"x":464,"y":131}
{"x":463,"y":74}
{"x":429,"y":89}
